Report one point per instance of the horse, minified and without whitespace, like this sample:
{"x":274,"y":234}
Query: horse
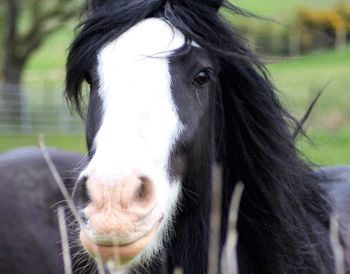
{"x":173,"y":89}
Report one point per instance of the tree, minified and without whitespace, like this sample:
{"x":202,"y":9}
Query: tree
{"x":27,"y":24}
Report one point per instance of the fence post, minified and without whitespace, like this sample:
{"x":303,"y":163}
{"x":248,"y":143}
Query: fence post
{"x":340,"y":38}
{"x":26,"y":125}
{"x":295,"y":42}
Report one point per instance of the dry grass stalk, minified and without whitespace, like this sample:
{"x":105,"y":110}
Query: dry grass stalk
{"x":178,"y":270}
{"x":229,"y":264}
{"x":116,"y":253}
{"x":111,"y":267}
{"x":64,"y":239}
{"x":338,"y":250}
{"x":58,"y":179}
{"x":66,"y":195}
{"x":215,"y":221}
{"x":99,"y":263}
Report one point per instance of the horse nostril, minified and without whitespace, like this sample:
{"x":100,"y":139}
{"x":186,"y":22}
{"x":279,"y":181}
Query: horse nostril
{"x":144,"y":196}
{"x":145,"y":191}
{"x":81,"y":196}
{"x":137,"y":194}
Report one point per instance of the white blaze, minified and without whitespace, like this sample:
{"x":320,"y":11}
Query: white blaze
{"x":139,"y":119}
{"x":140,"y":122}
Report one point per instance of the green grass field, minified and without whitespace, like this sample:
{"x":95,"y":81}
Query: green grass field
{"x":297,"y":79}
{"x":280,"y":9}
{"x":46,"y":68}
{"x":69,"y":143}
{"x":329,"y":124}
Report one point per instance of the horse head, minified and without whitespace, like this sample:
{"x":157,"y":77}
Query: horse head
{"x":173,"y":89}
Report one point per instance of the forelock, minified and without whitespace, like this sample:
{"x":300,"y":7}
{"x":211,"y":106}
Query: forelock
{"x":106,"y":20}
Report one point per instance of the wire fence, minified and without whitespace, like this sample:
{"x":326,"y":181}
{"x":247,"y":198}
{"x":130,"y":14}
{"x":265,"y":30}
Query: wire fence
{"x":25,"y":110}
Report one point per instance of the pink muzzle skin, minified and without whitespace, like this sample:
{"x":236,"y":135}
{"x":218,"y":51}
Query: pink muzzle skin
{"x":122,"y":218}
{"x":119,"y":254}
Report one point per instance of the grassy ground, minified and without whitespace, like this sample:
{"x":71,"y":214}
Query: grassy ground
{"x":69,"y":143}
{"x":327,"y":147}
{"x":298,"y":79}
{"x":329,"y":125}
{"x":302,"y":77}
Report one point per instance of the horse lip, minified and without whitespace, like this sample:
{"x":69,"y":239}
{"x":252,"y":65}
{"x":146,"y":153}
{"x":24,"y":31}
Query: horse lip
{"x":124,"y":252}
{"x":108,"y":240}
{"x":120,"y":244}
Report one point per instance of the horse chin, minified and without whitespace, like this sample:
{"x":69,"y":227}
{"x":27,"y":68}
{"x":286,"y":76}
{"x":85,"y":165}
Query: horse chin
{"x":119,"y":255}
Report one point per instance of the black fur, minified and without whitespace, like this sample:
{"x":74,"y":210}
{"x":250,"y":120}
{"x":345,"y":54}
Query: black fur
{"x":283,"y":218}
{"x":337,"y":185}
{"x":29,"y":233}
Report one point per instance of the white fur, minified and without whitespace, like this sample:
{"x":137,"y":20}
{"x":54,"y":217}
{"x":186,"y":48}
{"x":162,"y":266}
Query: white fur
{"x":140,"y":122}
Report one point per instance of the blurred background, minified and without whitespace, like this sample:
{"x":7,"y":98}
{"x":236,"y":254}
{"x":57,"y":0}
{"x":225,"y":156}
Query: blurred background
{"x":305,"y":43}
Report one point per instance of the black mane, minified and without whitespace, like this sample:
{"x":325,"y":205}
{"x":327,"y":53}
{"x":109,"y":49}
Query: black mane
{"x":108,"y":19}
{"x":283,"y":220}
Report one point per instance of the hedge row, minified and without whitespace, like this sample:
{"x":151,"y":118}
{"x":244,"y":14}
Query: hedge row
{"x":332,"y":20}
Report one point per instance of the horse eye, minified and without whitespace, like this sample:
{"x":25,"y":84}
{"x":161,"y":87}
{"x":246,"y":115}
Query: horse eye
{"x":202,"y":78}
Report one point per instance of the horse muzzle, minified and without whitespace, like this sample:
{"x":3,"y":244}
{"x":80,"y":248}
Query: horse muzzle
{"x":121,"y":216}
